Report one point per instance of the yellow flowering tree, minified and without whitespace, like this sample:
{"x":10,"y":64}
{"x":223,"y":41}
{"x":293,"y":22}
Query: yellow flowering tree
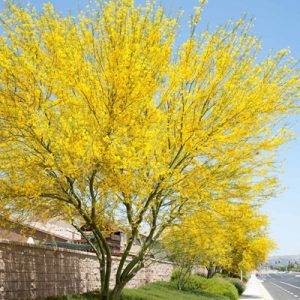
{"x":224,"y":237}
{"x":249,"y":241}
{"x":106,"y":122}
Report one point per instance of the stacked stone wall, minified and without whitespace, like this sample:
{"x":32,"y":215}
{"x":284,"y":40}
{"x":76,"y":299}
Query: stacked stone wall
{"x":31,"y":271}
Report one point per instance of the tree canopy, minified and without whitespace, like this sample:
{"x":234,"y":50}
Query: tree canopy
{"x":105,"y":121}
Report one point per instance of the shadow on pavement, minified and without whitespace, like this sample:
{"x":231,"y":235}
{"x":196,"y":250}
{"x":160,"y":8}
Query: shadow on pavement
{"x":250,"y":297}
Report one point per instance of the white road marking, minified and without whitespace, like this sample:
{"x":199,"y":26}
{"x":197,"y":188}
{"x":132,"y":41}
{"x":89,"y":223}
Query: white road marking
{"x":297,"y":287}
{"x":278,"y":286}
{"x":283,"y":289}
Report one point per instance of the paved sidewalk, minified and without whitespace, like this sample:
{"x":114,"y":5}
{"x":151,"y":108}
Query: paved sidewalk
{"x":255,"y":290}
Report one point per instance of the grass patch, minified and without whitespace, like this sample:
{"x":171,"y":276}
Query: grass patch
{"x":153,"y":291}
{"x":167,"y":291}
{"x":197,"y":288}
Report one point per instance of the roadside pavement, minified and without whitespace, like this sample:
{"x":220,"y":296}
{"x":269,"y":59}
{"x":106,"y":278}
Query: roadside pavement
{"x":255,"y":290}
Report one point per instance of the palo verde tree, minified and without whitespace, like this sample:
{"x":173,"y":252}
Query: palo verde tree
{"x":248,"y":238}
{"x":223,"y":236}
{"x":106,"y":122}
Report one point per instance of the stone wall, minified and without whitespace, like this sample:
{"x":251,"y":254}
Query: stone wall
{"x":30,"y":271}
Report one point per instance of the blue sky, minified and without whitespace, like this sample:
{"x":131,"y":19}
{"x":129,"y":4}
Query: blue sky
{"x":277,"y":24}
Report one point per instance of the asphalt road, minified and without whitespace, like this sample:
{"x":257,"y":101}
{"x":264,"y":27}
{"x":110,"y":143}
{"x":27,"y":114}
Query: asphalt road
{"x":282,"y":286}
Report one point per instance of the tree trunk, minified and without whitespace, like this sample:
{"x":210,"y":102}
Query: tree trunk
{"x":211,"y":271}
{"x":116,"y":292}
{"x":104,"y":297}
{"x":126,"y":276}
{"x":105,"y":294}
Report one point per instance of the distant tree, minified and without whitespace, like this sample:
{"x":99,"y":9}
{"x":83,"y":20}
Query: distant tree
{"x":105,"y":122}
{"x":224,"y":236}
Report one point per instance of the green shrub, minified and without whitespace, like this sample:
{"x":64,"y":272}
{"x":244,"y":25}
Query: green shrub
{"x":221,"y":287}
{"x":175,"y":274}
{"x":239,"y":285}
{"x":213,"y":286}
{"x":180,"y":277}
